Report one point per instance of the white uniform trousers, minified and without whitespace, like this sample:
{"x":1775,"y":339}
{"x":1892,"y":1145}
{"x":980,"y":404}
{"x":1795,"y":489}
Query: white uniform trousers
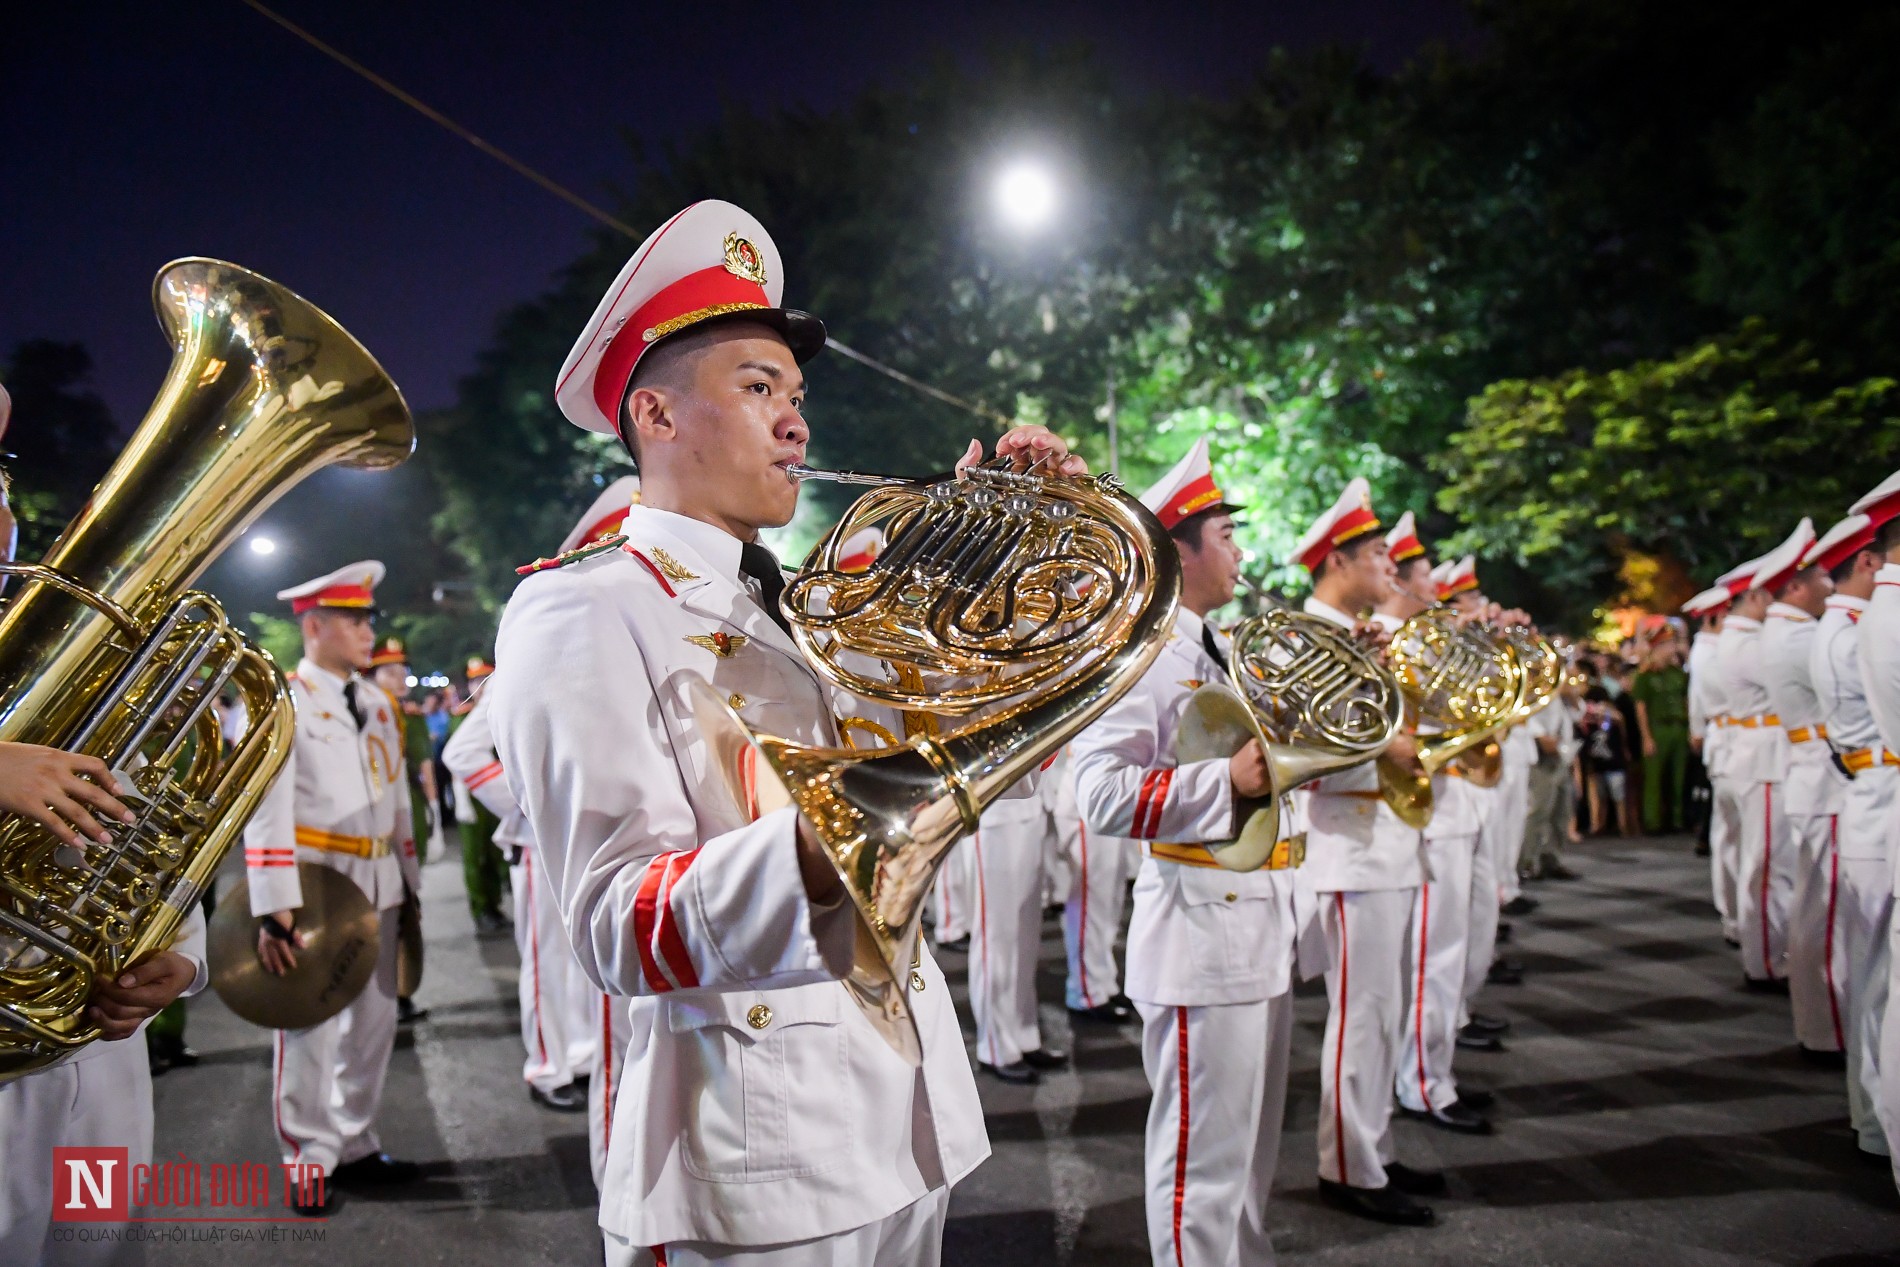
{"x":1817,"y":979}
{"x":558,"y":1003}
{"x":1865,"y":906}
{"x":1764,"y":881}
{"x":1061,"y":843}
{"x":1504,"y":833}
{"x":1092,"y":917}
{"x":1365,"y":936}
{"x":613,"y":1026}
{"x":1219,"y":1077}
{"x":912,"y":1237}
{"x":101,"y":1100}
{"x":1888,"y":1107}
{"x":327,"y":1081}
{"x":950,"y":895}
{"x":1437,"y":956}
{"x":1725,"y":848}
{"x":1487,"y":894}
{"x":1006,"y":861}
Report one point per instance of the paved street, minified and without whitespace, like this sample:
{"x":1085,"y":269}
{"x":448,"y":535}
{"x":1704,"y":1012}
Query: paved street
{"x":1650,"y":1111}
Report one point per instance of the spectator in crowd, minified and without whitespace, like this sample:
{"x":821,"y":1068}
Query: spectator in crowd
{"x":1661,"y":692}
{"x":1605,"y":756}
{"x":1553,"y":787}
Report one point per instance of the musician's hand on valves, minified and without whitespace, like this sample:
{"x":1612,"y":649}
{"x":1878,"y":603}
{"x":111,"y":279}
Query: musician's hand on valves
{"x":61,"y":790}
{"x":278,"y":942}
{"x":1247,"y":770}
{"x":1404,"y":750}
{"x":121,"y":1005}
{"x":1371,"y":635}
{"x":1026,"y":447}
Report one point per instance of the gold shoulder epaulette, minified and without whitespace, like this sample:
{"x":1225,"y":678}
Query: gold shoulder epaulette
{"x":575,"y":556}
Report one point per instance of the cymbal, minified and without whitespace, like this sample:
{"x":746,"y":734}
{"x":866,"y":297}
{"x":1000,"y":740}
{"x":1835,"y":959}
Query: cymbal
{"x":341,"y":931}
{"x":409,"y":949}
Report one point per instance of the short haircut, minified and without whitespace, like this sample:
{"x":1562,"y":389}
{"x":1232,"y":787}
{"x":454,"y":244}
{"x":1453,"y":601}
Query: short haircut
{"x":668,"y":363}
{"x":1414,"y":564}
{"x":1191,"y":531}
{"x":1350,"y":549}
{"x":1887,"y":536}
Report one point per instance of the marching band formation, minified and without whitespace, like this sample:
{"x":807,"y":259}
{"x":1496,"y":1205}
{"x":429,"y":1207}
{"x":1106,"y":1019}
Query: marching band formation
{"x":726,"y":796}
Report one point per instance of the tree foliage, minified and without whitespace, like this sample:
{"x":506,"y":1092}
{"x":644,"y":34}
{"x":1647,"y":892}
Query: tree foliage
{"x":1705,"y":458}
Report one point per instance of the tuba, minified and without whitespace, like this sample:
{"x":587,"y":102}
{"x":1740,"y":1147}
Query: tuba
{"x":104,"y":651}
{"x":1020,"y":605}
{"x":1317,"y":703}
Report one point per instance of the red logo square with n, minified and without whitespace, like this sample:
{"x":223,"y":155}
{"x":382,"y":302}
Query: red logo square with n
{"x":90,"y":1185}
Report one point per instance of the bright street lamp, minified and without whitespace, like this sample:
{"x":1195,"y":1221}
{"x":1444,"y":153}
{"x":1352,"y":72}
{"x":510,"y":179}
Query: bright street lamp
{"x":1026,"y":195}
{"x":263,"y":545}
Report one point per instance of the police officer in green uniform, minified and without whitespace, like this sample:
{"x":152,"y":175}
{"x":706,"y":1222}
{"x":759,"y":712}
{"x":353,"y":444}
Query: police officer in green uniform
{"x":484,"y":870}
{"x":1661,"y":692}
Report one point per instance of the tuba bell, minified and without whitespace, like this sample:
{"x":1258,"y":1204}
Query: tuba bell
{"x":1317,"y":703}
{"x":104,"y":650}
{"x":1020,"y":605}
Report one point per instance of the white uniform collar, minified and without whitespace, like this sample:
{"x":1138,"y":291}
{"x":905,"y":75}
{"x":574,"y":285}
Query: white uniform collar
{"x":1741,"y":624}
{"x":1846,"y":603}
{"x":1386,"y":620}
{"x":314,"y":674}
{"x":1888,"y":575}
{"x":716,"y":548}
{"x":1327,"y":612}
{"x":1787,"y":611}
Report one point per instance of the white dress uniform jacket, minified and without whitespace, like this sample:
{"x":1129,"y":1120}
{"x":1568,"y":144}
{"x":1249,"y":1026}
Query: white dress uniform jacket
{"x":341,"y":801}
{"x":1865,"y":907}
{"x":1757,"y":765}
{"x":1879,"y":651}
{"x":1709,"y":717}
{"x":757,"y":1105}
{"x":1354,"y":842}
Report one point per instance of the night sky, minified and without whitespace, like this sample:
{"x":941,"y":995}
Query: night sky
{"x":137,"y":133}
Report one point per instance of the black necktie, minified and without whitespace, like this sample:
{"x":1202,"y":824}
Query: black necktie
{"x":1213,"y":648}
{"x":349,"y":698}
{"x":757,"y":562}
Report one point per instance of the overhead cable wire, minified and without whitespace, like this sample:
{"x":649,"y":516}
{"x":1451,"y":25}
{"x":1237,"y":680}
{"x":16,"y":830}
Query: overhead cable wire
{"x":581,"y":204}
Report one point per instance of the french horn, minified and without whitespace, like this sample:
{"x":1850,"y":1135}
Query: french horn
{"x":1463,"y":685}
{"x":106,"y":651}
{"x":1019,"y":605}
{"x":1317,"y":703}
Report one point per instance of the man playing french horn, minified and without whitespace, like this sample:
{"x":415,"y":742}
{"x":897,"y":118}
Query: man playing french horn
{"x":761,"y":1114}
{"x":1210,"y":951}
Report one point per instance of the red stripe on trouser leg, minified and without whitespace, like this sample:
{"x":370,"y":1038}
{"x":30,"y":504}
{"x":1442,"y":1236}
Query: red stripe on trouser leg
{"x":1181,"y":1143}
{"x":1767,"y":871}
{"x":1339,"y":1048}
{"x":1418,"y":1016}
{"x":1827,"y":950}
{"x":607,"y":1070}
{"x":1082,"y":933}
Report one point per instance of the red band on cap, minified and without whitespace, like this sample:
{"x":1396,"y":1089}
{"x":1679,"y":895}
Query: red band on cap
{"x":1884,"y":509}
{"x":1354,"y":523}
{"x":1195,"y":496}
{"x":1459,"y":586}
{"x":1846,"y":548}
{"x":1405,"y":548}
{"x":335,"y":596}
{"x":711,"y":292}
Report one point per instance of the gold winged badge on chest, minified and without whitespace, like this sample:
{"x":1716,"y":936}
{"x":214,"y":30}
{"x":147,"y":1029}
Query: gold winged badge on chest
{"x":721,"y":644}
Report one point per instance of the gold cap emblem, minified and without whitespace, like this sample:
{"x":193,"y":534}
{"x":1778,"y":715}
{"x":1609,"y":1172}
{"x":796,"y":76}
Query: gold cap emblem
{"x":743,"y":259}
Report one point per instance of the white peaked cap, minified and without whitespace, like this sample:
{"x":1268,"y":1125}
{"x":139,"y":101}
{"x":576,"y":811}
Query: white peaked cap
{"x":605,"y":516}
{"x":1780,"y":564}
{"x":350,"y":586}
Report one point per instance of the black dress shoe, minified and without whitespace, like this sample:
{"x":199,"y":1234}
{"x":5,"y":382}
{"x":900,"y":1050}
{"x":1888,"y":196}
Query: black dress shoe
{"x":1043,"y":1058}
{"x":315,"y":1209}
{"x":1503,"y":934}
{"x":961,"y":945}
{"x":407,"y":1013}
{"x":567,"y":1098}
{"x":1504,"y":972}
{"x":1823,"y":1059}
{"x":1558,"y":871}
{"x":1475,"y":1099}
{"x":491,"y":924}
{"x":1473,"y":1039}
{"x":1018,"y":1074}
{"x":378,"y":1170}
{"x":1453,"y":1117}
{"x":1487,"y":1024}
{"x":1109,"y":1013}
{"x":1519,"y":905}
{"x":1414,"y":1183}
{"x":1701,"y":849}
{"x":1125,"y":1001}
{"x":1733,"y":943}
{"x":1767,"y":985}
{"x":1873,"y":1160}
{"x":1381,"y":1205}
